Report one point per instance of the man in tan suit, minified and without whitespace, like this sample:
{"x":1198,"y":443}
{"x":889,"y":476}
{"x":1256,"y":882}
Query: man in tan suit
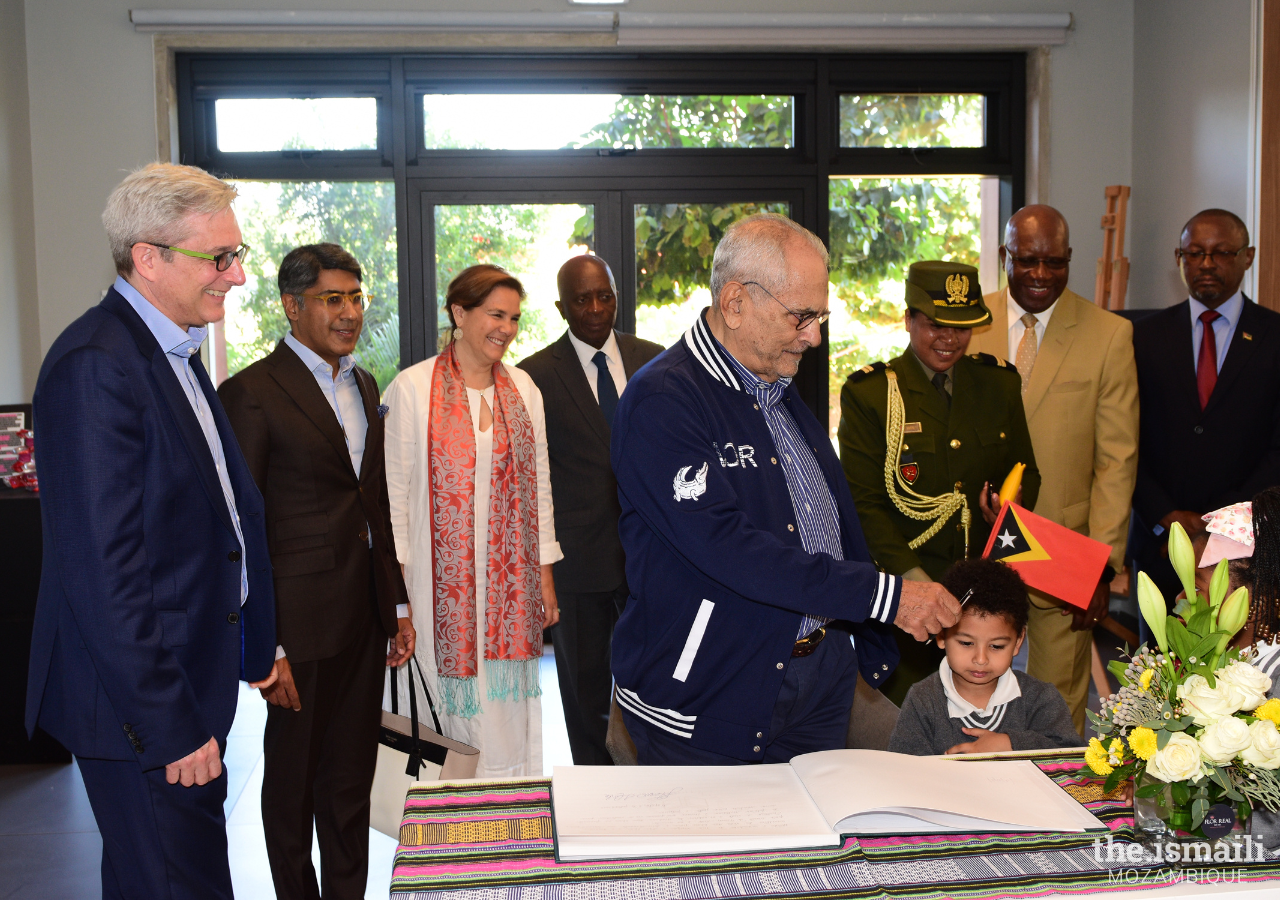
{"x":1080,"y":393}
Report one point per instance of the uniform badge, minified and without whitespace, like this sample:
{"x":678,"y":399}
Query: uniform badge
{"x":690,"y":490}
{"x":910,"y":472}
{"x":911,"y":428}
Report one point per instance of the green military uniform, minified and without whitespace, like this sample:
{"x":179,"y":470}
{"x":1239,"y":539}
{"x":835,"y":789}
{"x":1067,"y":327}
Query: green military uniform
{"x":947,"y":451}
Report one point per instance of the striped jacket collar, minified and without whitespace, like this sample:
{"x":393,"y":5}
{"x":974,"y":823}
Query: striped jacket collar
{"x":724,"y":368}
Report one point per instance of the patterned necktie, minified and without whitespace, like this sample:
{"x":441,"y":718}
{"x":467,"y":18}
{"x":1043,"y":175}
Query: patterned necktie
{"x":1207,"y":362}
{"x":606,"y":390}
{"x":940,"y":382}
{"x":1027,"y":349}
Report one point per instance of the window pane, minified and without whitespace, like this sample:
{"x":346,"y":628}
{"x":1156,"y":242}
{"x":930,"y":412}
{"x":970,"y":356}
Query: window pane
{"x":277,"y":216}
{"x":879,"y":227}
{"x":912,"y":120}
{"x":531,"y":241}
{"x":328,"y":123}
{"x":573,"y":121}
{"x":674,"y":246}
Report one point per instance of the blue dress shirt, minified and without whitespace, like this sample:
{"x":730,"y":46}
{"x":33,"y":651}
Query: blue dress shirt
{"x":179,"y":347}
{"x":1224,"y":327}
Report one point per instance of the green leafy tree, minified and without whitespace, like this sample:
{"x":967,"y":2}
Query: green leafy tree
{"x":641,"y":121}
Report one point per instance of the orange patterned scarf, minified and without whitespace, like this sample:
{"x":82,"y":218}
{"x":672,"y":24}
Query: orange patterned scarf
{"x":513,"y":606}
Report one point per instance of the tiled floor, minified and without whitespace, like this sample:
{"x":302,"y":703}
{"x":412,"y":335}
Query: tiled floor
{"x":49,"y":843}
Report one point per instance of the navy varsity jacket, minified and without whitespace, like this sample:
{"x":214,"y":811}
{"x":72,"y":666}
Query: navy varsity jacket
{"x":718,"y":576}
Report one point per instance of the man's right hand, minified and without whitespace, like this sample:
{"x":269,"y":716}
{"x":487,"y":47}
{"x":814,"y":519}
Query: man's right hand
{"x":283,"y":692}
{"x":926,"y":608}
{"x":198,"y":767}
{"x":1190,"y":521}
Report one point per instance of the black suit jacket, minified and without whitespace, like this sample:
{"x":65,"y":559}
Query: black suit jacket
{"x":583,"y":488}
{"x":319,"y":511}
{"x":1196,"y":459}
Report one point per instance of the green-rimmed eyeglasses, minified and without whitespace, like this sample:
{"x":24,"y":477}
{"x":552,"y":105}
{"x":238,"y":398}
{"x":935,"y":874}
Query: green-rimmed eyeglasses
{"x":334,"y":300}
{"x":221,"y":261}
{"x":802,"y":318}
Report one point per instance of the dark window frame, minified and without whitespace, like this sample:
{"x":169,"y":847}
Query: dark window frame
{"x":398,"y":80}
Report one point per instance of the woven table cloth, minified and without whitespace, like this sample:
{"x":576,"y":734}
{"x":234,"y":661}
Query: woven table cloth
{"x":492,"y":840}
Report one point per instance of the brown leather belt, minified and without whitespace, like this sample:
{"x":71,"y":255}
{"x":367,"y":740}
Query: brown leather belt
{"x":807,"y":645}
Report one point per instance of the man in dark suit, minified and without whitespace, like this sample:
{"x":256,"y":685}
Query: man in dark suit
{"x":309,"y":423}
{"x":1209,"y":394}
{"x":581,"y":377}
{"x":155,"y":595}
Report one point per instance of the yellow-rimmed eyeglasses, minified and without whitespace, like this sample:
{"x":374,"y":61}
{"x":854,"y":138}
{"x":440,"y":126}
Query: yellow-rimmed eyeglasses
{"x":334,"y":300}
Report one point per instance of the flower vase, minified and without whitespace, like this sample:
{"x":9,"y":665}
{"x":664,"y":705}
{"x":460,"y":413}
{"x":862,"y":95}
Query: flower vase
{"x":1165,"y":817}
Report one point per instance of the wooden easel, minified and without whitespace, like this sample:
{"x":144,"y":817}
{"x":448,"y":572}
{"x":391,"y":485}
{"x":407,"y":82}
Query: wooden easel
{"x":1113,"y":266}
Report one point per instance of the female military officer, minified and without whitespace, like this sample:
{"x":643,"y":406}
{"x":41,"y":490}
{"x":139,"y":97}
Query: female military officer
{"x":925,"y":436}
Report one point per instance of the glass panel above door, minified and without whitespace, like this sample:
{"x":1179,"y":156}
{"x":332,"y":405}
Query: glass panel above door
{"x":912,"y":120}
{"x":261,"y":125}
{"x":529,"y":240}
{"x":675,"y":243}
{"x":606,"y":121}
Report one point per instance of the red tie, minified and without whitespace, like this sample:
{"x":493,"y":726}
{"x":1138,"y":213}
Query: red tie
{"x":1207,"y":364}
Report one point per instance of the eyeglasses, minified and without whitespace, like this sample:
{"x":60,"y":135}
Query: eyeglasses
{"x":802,"y":318}
{"x":1215,"y":257}
{"x":221,"y":261}
{"x":335,"y":300}
{"x":1052,"y":263}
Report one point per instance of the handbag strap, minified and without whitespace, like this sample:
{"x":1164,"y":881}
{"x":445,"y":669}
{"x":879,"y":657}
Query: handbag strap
{"x":427,"y":694}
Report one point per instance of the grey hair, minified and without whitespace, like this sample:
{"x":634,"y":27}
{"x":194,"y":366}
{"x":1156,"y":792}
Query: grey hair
{"x":754,"y":249}
{"x":152,"y":204}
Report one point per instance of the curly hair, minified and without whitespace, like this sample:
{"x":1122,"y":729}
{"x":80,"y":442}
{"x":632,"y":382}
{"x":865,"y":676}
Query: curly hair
{"x":1262,"y":571}
{"x":997,"y":590}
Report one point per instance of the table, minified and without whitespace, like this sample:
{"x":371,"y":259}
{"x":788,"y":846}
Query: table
{"x":468,"y":840}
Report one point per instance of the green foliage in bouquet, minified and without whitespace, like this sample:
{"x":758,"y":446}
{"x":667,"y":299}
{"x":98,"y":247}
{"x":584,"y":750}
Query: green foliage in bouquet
{"x":1192,"y":713}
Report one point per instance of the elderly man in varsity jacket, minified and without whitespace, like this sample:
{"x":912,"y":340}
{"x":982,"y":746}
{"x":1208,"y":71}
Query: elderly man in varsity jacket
{"x":747,"y":567}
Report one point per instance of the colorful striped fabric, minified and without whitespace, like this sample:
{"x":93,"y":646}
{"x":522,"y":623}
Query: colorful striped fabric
{"x":493,"y":840}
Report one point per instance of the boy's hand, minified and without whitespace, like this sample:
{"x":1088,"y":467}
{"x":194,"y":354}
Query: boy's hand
{"x":984,"y":742}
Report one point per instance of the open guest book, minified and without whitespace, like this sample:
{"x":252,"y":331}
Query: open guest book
{"x":608,"y":812}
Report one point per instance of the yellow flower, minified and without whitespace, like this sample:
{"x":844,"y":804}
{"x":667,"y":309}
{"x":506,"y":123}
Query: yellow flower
{"x":1144,"y":680}
{"x":1142,"y":741}
{"x":1269,"y":710}
{"x":1096,"y":756}
{"x":1116,"y":750}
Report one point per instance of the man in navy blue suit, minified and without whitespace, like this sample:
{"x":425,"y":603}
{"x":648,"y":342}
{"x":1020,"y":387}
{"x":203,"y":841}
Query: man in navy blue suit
{"x":156,"y":594}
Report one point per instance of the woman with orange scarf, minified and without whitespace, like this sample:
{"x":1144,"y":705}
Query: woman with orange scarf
{"x":470,"y":498}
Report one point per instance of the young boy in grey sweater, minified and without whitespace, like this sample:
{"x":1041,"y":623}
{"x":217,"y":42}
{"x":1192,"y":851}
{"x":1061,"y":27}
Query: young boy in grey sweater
{"x":975,"y":702}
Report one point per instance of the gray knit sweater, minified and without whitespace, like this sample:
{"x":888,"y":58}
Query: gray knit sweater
{"x":1039,"y":719}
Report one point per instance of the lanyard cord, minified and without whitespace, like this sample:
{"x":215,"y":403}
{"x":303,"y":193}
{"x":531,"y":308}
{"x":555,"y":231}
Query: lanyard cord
{"x":908,"y":502}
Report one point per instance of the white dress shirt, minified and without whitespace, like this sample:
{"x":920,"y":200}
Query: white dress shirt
{"x":1224,"y":327}
{"x":1017,"y":329}
{"x":179,"y":347}
{"x":585,"y":355}
{"x":957,"y":707}
{"x":343,"y":395}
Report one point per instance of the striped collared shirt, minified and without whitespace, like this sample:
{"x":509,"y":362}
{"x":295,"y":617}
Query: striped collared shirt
{"x":817,"y":518}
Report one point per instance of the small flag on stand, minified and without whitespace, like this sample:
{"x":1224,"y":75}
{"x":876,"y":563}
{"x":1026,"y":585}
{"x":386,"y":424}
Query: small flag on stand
{"x":1050,"y":558}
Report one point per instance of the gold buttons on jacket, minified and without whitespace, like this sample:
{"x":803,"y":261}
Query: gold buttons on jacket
{"x":955,"y":443}
{"x":791,"y":528}
{"x":1002,"y":435}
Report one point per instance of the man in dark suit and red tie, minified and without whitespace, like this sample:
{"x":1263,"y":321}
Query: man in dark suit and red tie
{"x":581,"y":377}
{"x":155,"y":594}
{"x":311,"y":428}
{"x":1209,"y":394}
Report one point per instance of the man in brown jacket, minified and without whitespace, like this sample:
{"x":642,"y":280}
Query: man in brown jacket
{"x":1080,"y":393}
{"x":308,"y":420}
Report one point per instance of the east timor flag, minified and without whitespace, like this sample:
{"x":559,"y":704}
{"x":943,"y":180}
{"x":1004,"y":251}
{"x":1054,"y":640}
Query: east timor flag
{"x":1051,"y":558}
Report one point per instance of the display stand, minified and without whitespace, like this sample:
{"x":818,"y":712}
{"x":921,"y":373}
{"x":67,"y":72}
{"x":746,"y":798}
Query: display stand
{"x":1113,"y":265}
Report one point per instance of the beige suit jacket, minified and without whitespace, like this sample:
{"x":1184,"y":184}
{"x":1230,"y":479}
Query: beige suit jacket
{"x":1082,"y":411}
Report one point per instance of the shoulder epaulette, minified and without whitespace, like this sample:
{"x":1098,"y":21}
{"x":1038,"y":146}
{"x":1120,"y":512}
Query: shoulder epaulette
{"x":859,"y":374}
{"x":988,"y":360}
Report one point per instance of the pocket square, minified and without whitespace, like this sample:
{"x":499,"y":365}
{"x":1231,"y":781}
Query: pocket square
{"x":383,"y":409}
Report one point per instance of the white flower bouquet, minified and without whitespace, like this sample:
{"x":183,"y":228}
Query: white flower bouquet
{"x":1191,"y":723}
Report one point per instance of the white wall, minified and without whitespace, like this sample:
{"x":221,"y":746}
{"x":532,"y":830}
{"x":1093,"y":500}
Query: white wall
{"x":20,"y":345}
{"x":1191,"y":72}
{"x":91,"y":101}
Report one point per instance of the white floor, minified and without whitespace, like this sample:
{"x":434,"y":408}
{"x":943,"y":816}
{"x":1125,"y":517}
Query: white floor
{"x":250,"y":873}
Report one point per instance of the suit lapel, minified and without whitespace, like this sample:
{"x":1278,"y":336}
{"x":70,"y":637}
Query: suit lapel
{"x":1177,"y":339}
{"x":569,"y":370}
{"x":911,"y":377}
{"x":176,"y":399}
{"x":630,"y":358}
{"x":372,"y":434}
{"x":1058,"y":337}
{"x":292,"y":375}
{"x":1239,"y":353}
